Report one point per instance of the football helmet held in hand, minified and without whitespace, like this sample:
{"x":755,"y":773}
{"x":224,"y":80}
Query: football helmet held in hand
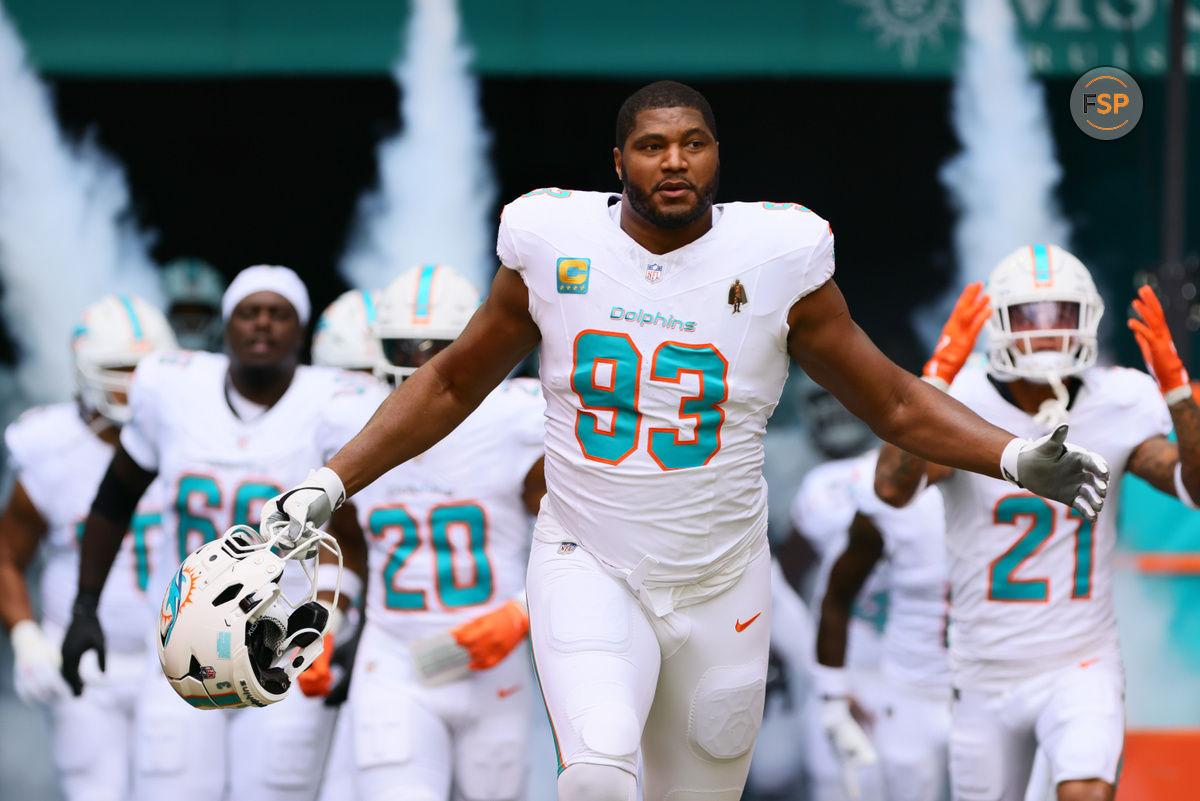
{"x":227,"y":635}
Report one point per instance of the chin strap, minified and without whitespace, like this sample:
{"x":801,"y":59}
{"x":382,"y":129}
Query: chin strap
{"x":1053,"y":411}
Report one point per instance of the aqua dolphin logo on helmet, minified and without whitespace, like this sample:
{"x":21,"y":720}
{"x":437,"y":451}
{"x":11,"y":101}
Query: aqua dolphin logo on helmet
{"x":179,"y":594}
{"x":228,"y":635}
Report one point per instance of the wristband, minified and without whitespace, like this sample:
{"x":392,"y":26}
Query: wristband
{"x":830,"y":682}
{"x":1180,"y":490}
{"x":327,"y":580}
{"x":935,"y":381}
{"x":1008,"y":460}
{"x":1180,"y":393}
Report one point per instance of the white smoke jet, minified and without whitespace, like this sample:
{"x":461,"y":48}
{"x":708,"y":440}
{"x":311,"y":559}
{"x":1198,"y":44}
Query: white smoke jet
{"x":1002,"y":182}
{"x":436,"y":186}
{"x":66,"y":236}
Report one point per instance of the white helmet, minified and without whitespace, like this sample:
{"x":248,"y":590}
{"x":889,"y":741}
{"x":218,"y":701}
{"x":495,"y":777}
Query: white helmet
{"x":421,"y":312}
{"x":225,"y":623}
{"x":193,"y":289}
{"x":1042,"y":295}
{"x":342,"y":337}
{"x":112,"y":335}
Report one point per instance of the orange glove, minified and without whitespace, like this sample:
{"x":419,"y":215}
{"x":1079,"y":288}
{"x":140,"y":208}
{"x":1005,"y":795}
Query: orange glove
{"x":318,"y":679}
{"x":958,"y":336}
{"x":1158,"y":350}
{"x":490,"y":637}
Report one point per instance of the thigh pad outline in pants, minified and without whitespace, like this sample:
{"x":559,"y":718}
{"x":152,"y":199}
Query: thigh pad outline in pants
{"x":291,"y":740}
{"x":596,"y":656}
{"x":180,"y":751}
{"x":1082,"y":727}
{"x":990,"y":757}
{"x":709,"y":706}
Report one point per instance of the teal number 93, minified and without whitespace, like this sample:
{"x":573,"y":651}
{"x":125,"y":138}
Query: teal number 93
{"x":607,"y":376}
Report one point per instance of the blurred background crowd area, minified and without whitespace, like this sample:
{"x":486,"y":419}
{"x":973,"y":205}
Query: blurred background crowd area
{"x":351,"y":140}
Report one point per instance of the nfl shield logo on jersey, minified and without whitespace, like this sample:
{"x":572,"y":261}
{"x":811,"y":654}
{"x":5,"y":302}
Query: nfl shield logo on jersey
{"x":654,"y":273}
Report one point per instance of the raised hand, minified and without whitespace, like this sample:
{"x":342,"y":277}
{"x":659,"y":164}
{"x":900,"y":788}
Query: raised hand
{"x":1158,"y":349}
{"x":958,"y":336}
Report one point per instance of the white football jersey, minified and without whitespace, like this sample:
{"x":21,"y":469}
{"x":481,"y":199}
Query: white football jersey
{"x":660,"y":371}
{"x":217,"y":471}
{"x":1030,"y":579}
{"x":914,"y":649}
{"x":447,"y":531}
{"x":822,"y":510}
{"x":60,"y":463}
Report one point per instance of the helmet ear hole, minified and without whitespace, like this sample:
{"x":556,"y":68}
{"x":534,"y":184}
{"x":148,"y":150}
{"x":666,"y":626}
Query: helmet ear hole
{"x":227,"y":595}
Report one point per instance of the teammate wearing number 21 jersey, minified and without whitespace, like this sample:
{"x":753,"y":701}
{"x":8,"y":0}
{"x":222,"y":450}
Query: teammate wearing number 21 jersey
{"x":649,"y":577}
{"x":1033,"y":640}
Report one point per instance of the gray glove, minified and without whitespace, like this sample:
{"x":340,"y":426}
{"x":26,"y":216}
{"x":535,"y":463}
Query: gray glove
{"x":1058,"y":470}
{"x":310,"y":503}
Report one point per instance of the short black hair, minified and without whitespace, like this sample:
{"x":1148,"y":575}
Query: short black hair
{"x":661,"y":94}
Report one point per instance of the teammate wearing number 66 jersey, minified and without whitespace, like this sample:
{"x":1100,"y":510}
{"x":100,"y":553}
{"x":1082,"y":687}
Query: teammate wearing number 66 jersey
{"x":1033,"y":640}
{"x":649,"y":577}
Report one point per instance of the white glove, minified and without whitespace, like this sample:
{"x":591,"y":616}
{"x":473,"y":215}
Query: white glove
{"x":850,"y":743}
{"x":36,"y":666}
{"x":1057,"y":470}
{"x":309,"y":503}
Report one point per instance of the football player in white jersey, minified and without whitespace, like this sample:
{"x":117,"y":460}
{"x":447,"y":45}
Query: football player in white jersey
{"x":821,"y":514}
{"x":448,"y":541}
{"x":223,"y":433}
{"x":60,"y":453}
{"x":1033,"y":639}
{"x":665,"y":324}
{"x":912,"y":718}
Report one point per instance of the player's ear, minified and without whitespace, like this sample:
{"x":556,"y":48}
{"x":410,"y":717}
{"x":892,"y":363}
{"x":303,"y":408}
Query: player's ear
{"x":617,"y":161}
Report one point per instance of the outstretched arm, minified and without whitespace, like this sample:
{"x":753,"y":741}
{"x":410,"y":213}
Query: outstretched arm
{"x":926,"y":422}
{"x":899,"y":407}
{"x":440,"y":395}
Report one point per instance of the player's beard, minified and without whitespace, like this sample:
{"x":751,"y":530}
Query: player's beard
{"x":640,"y":202}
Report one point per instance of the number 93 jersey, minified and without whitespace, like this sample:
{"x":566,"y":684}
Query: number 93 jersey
{"x":660,"y":372}
{"x":447,"y":531}
{"x":1030,"y":579}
